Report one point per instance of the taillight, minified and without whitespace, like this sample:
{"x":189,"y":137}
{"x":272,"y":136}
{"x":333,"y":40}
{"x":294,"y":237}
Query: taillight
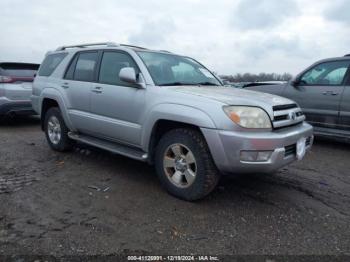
{"x":6,"y":79}
{"x":14,"y":79}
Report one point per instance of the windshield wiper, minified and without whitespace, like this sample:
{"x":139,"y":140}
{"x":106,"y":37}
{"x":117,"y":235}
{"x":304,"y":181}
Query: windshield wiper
{"x":207,"y":84}
{"x":176,"y":84}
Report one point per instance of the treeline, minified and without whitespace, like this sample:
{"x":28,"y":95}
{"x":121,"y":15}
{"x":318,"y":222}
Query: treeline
{"x":248,"y":77}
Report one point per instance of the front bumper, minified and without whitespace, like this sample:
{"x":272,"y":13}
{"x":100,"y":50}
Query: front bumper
{"x":226,"y":146}
{"x":16,"y":107}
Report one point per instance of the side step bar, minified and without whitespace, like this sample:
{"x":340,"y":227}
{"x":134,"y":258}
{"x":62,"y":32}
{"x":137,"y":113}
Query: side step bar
{"x":124,"y":150}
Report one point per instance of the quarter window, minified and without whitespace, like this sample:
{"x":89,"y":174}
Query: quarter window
{"x":50,"y":63}
{"x":330,"y":74}
{"x":111,"y":64}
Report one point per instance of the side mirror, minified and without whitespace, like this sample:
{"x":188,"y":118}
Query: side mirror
{"x":294,"y":82}
{"x":128,"y":74}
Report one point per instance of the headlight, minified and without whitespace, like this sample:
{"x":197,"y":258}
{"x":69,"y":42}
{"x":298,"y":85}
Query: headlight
{"x":248,"y":117}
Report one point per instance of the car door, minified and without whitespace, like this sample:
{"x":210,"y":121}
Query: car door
{"x":77,"y":85}
{"x":318,"y":92}
{"x":344,"y":115}
{"x":117,"y":106}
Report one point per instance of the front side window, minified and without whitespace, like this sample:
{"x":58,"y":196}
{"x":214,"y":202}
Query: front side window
{"x":85,"y":66}
{"x":330,"y":73}
{"x":168,"y":69}
{"x":111,"y":64}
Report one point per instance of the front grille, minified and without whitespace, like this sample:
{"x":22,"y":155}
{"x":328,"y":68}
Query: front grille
{"x":280,"y":118}
{"x":284,"y":107}
{"x":308,"y":141}
{"x":290,"y":150}
{"x":287,"y":115}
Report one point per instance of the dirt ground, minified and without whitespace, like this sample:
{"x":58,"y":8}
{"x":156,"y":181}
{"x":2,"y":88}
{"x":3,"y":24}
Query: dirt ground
{"x":92,"y":202}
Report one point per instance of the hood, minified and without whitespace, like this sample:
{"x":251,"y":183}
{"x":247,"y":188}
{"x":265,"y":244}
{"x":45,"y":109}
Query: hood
{"x":234,"y":96}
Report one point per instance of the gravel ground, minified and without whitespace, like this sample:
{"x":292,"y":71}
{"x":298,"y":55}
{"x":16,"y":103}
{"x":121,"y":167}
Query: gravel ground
{"x":92,"y":202}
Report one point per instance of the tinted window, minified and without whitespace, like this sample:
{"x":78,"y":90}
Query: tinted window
{"x":50,"y":63}
{"x":111,"y":64}
{"x":331,"y":73}
{"x":70,"y":71}
{"x":18,"y":69}
{"x":84,"y":69}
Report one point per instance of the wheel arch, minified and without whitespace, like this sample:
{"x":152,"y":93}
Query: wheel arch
{"x":166,"y":117}
{"x":51,"y":98}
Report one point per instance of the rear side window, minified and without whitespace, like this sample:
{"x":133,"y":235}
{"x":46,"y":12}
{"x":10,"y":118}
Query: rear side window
{"x":50,"y":63}
{"x":18,"y":69}
{"x":85,"y":66}
{"x":111,"y":64}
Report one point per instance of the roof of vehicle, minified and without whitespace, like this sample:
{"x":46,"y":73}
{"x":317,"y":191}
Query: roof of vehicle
{"x":346,"y":57}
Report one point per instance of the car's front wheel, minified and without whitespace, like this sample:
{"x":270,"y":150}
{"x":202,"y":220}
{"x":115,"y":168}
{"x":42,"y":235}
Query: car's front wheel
{"x":184,"y":164}
{"x":56,"y":130}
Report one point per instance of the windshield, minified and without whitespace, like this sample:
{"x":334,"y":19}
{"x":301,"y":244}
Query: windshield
{"x":169,"y":69}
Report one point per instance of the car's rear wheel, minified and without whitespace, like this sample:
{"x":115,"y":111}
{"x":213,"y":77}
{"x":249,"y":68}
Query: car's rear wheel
{"x":184,"y":164}
{"x":56,"y":130}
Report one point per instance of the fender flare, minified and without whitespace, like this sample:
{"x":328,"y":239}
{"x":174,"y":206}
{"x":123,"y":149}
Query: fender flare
{"x":173,"y":112}
{"x":52,"y":93}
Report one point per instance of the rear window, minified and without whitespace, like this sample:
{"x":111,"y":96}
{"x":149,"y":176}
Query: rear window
{"x":18,"y":69}
{"x":50,"y":63}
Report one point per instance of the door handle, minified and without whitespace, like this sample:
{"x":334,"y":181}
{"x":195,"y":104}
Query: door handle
{"x":65,"y":85}
{"x":97,"y":90}
{"x":330,"y":93}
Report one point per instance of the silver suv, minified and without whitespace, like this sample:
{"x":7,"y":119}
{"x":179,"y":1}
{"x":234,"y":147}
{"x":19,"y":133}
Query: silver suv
{"x":168,"y":110}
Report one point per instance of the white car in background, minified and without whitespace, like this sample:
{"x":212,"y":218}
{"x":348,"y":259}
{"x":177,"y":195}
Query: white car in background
{"x":16,"y":88}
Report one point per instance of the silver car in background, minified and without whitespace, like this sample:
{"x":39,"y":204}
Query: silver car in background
{"x":16,"y":88}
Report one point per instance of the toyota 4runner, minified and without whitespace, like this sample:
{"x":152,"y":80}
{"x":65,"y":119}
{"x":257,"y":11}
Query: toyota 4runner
{"x":168,"y":110}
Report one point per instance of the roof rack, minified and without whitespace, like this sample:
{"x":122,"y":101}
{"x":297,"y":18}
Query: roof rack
{"x":86,"y":45}
{"x":135,"y":46}
{"x":108,"y":44}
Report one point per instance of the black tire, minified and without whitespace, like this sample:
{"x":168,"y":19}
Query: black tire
{"x":65,"y":143}
{"x":207,"y":175}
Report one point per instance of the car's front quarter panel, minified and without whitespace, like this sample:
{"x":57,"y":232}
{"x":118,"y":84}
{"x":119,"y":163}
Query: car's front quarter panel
{"x":163,"y":104}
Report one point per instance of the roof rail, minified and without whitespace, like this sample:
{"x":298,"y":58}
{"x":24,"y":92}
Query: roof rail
{"x":86,"y":45}
{"x":108,"y":44}
{"x":135,"y":46}
{"x":347,"y":55}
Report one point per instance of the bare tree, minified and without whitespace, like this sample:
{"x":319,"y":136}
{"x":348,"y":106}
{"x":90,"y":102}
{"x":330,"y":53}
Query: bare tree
{"x":248,"y":77}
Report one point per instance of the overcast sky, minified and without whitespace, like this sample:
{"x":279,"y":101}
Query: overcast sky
{"x":228,"y":36}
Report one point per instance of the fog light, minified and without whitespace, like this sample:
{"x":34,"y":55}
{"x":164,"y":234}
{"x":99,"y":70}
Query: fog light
{"x":249,"y":156}
{"x":264,"y":156}
{"x":255,"y":156}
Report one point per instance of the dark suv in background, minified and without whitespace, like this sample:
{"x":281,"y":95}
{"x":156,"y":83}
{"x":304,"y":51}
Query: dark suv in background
{"x":323,"y":93}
